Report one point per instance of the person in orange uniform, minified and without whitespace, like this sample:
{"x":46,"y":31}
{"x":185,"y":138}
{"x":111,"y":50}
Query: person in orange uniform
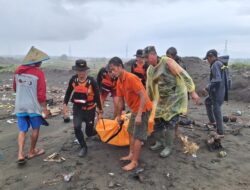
{"x":85,"y":98}
{"x":130,"y":88}
{"x":107,"y":85}
{"x":139,"y":67}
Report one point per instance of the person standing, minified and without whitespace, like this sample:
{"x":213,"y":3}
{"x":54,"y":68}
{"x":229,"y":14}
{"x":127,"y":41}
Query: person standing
{"x":217,"y":92}
{"x":85,"y":98}
{"x":167,"y":86}
{"x":131,"y":89}
{"x":107,"y":85}
{"x":139,"y":67}
{"x":172,"y":53}
{"x":30,"y":103}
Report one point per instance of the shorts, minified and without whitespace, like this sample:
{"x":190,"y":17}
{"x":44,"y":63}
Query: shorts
{"x":139,"y":132}
{"x":24,"y":122}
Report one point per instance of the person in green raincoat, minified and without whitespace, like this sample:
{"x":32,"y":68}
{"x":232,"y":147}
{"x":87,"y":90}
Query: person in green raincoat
{"x":167,"y":86}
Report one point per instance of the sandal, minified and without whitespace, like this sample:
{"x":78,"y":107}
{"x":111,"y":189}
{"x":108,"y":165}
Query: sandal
{"x":21,"y":161}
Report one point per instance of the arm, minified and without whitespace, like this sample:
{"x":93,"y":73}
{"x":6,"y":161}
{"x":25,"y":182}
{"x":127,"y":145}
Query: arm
{"x":142,"y":104}
{"x":41,"y":94}
{"x":216,"y":77}
{"x":120,"y":107}
{"x":99,"y":77}
{"x":97,"y":98}
{"x":67,"y":97}
{"x":177,"y":70}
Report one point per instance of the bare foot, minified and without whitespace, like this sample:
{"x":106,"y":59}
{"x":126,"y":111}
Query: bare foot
{"x":21,"y":156}
{"x":132,"y":165}
{"x":35,"y":153}
{"x":129,"y":157}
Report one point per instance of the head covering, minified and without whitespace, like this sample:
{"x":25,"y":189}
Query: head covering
{"x":34,"y":56}
{"x":139,"y":53}
{"x":171,"y":51}
{"x":80,"y":65}
{"x":147,"y":50}
{"x":211,"y":52}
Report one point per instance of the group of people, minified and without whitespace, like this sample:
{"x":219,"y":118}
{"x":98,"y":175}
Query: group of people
{"x":156,"y":87}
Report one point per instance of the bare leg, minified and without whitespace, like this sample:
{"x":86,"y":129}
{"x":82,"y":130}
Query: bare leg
{"x":34,"y":137}
{"x":21,"y":142}
{"x":131,"y":151}
{"x":136,"y":154}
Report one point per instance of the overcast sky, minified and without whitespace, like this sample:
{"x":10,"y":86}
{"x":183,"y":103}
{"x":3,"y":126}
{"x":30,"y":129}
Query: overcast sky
{"x":106,"y":28}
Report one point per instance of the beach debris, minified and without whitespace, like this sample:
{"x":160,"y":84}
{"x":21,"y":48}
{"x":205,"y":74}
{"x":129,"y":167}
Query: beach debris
{"x":54,"y":111}
{"x":237,"y":113}
{"x":55,"y":157}
{"x":111,"y":174}
{"x":189,"y":147}
{"x":10,"y":121}
{"x":6,"y":87}
{"x":50,"y":102}
{"x":67,"y":177}
{"x":225,"y":119}
{"x":113,"y":184}
{"x":222,"y":154}
{"x":233,"y":119}
{"x":52,"y":181}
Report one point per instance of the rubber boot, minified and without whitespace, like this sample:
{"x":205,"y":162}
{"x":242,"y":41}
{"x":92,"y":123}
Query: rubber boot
{"x":169,"y":139}
{"x":159,"y":143}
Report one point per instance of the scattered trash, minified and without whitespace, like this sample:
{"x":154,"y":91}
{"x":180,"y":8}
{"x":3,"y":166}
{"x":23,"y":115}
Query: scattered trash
{"x":54,"y":111}
{"x":189,"y":147}
{"x":233,"y":119}
{"x":50,"y":102}
{"x":55,"y":157}
{"x":225,"y":119}
{"x":237,"y":113}
{"x":67,"y":177}
{"x":111,"y":174}
{"x":11,"y":121}
{"x":113,"y":184}
{"x":52,"y":181}
{"x":222,"y":154}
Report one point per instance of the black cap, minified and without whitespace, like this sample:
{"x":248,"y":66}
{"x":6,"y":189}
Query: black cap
{"x":139,"y":53}
{"x":171,"y":51}
{"x":147,"y":50}
{"x":211,"y":52}
{"x":80,"y":65}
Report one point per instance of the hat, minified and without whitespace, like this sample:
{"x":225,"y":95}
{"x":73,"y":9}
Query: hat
{"x":171,"y":51}
{"x":147,"y":50}
{"x":35,"y":56}
{"x":139,"y":53}
{"x":80,"y":65}
{"x":211,"y":52}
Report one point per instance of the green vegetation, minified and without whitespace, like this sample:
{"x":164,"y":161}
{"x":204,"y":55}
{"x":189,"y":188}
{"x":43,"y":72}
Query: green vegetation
{"x":9,"y":68}
{"x":239,"y":65}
